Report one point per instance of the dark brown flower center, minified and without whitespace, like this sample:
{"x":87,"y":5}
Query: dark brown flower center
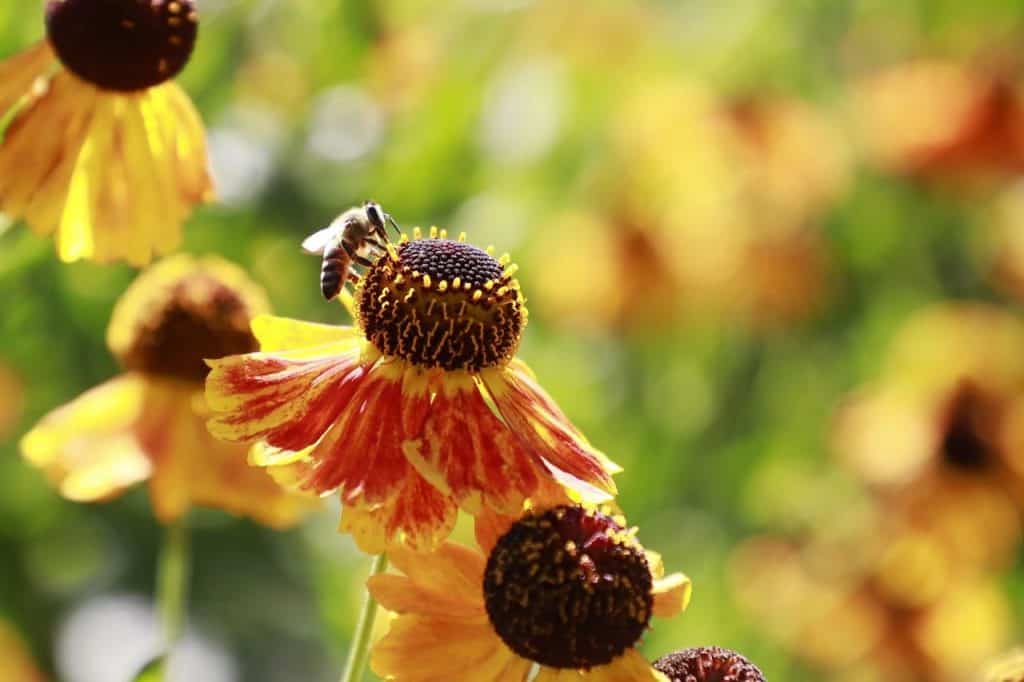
{"x":196,"y":318}
{"x":708,"y":664}
{"x":123,"y":45}
{"x":568,"y":588}
{"x":442,"y":303}
{"x":968,"y":442}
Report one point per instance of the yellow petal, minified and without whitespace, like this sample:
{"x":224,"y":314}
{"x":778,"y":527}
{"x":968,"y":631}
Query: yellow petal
{"x":420,"y":649}
{"x":671,"y":595}
{"x":87,"y":448}
{"x":629,"y":667}
{"x":18,"y":75}
{"x":401,"y":595}
{"x":283,"y":334}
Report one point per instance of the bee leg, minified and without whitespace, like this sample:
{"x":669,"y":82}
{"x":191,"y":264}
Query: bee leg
{"x":373,"y":242}
{"x":392,"y":223}
{"x":353,"y":274}
{"x":355,"y":256}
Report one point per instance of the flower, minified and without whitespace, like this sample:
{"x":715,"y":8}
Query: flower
{"x":935,"y":119}
{"x":418,"y":409}
{"x":717,"y":214}
{"x":944,"y":422}
{"x":888,"y":602}
{"x":148,"y":424}
{"x":708,"y":664}
{"x":1007,"y":668}
{"x":106,"y":152}
{"x":16,"y":664}
{"x":568,"y":588}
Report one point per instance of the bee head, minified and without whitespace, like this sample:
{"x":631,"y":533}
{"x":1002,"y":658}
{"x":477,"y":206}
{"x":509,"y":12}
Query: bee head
{"x":375,"y":214}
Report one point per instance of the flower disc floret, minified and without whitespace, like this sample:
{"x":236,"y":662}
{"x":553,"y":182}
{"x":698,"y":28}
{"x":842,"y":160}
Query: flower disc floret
{"x":440,"y":303}
{"x":569,"y":588}
{"x":708,"y":664}
{"x":172,"y":319}
{"x":123,"y":45}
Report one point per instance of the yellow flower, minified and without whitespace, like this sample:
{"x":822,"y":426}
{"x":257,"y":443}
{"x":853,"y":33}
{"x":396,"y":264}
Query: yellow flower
{"x":943,"y":426}
{"x":106,"y":152}
{"x":16,"y":664}
{"x":889,"y":600}
{"x":1007,"y":668}
{"x":715,"y":212}
{"x":942,"y":120}
{"x":569,"y":589}
{"x":148,"y":424}
{"x":419,"y":409}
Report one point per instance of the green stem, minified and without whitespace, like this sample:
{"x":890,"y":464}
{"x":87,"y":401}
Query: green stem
{"x":360,"y":649}
{"x":172,"y":580}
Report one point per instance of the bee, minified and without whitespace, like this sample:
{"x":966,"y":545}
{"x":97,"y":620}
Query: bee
{"x":352,"y":236}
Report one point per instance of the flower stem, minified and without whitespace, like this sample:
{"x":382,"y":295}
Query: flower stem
{"x":172,"y":580}
{"x":360,"y":649}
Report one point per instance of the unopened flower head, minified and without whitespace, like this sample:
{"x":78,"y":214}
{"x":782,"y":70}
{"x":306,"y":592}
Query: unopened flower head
{"x":708,"y":664}
{"x":123,"y":45}
{"x":418,"y":410}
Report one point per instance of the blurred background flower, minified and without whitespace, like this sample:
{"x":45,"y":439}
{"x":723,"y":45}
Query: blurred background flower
{"x":772,"y":256}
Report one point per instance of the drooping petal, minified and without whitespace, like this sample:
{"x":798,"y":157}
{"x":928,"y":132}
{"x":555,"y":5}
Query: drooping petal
{"x":444,"y":583}
{"x":471,"y":454}
{"x":290,"y":403}
{"x":544,"y":429}
{"x":190,"y":467}
{"x":87,"y":447}
{"x":629,"y":667}
{"x":362,"y":452}
{"x":19,"y":74}
{"x":39,"y":151}
{"x":285,"y":334}
{"x":113,"y":174}
{"x":452,"y":569}
{"x":418,"y":516}
{"x":423,"y":649}
{"x":671,"y":595}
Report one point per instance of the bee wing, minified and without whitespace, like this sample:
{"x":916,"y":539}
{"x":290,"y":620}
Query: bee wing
{"x":318,"y":241}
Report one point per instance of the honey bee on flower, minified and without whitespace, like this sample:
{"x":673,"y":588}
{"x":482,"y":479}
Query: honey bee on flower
{"x":418,"y":409}
{"x":102,"y":149}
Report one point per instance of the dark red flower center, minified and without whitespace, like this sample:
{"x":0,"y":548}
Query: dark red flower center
{"x":968,"y":443}
{"x":123,"y":45}
{"x":442,"y":303}
{"x":195,"y":318}
{"x":569,"y":588}
{"x":708,"y":664}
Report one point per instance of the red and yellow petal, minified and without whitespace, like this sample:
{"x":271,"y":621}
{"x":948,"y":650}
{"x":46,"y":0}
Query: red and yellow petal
{"x":87,"y":448}
{"x":545,"y":430}
{"x":362,"y":452}
{"x":468,"y":452}
{"x":289,"y":403}
{"x":418,"y":516}
{"x":424,"y":649}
